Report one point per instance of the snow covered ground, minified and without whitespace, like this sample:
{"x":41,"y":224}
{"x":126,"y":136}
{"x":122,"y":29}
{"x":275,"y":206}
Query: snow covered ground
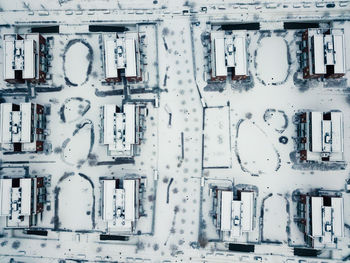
{"x":217,"y":142}
{"x":175,"y":155}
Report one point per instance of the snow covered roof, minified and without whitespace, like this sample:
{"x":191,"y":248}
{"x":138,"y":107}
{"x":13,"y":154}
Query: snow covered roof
{"x":5,"y":197}
{"x":29,"y":59}
{"x":130,"y":70}
{"x":241,"y":68}
{"x":228,"y":51}
{"x":9,"y":50}
{"x":120,"y":129}
{"x":319,"y":55}
{"x":130,"y":123}
{"x":235,"y":216}
{"x":19,"y":55}
{"x":247,"y":200}
{"x":13,"y":55}
{"x":16,"y":201}
{"x":226,"y":210}
{"x":327,"y":219}
{"x":328,"y":50}
{"x":220,"y":63}
{"x":120,"y":53}
{"x":120,"y":204}
{"x":322,"y":136}
{"x":339,"y":53}
{"x":16,"y":123}
{"x":327,"y":135}
{"x":109,"y":58}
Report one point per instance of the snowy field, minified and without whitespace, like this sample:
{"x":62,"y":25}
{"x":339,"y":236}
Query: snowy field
{"x":224,"y":135}
{"x":217,"y":141}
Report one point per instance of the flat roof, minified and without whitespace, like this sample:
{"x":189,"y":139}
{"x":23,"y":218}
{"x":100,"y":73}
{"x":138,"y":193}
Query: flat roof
{"x":130,"y":123}
{"x":109,"y":58}
{"x":21,"y":55}
{"x":5,"y":197}
{"x":9,"y":51}
{"x":328,"y":50}
{"x":21,"y":195}
{"x":220,"y":64}
{"x":339,"y":56}
{"x":229,"y":51}
{"x":316,"y":131}
{"x":16,"y":125}
{"x":241,"y":68}
{"x":26,"y":196}
{"x":338,"y":216}
{"x":120,"y":129}
{"x":226,"y":210}
{"x":120,"y":204}
{"x":120,"y":52}
{"x":26,"y":125}
{"x":108,"y":126}
{"x":236,"y":229}
{"x":316,"y":212}
{"x":327,"y":135}
{"x":318,"y":44}
{"x":247,"y":199}
{"x":29,"y":59}
{"x":130,"y":202}
{"x":130,"y":69}
{"x":337,"y":132}
{"x":327,"y":221}
{"x":6,"y":135}
{"x":108,"y":200}
{"x":236,"y":216}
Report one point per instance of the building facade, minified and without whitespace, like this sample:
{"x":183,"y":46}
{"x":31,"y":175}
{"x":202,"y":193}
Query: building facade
{"x":321,"y":219}
{"x":234,"y":213}
{"x":323,"y":53}
{"x":25,"y":58}
{"x":123,"y":131}
{"x":121,"y":204}
{"x":21,"y":201}
{"x":321,"y":136}
{"x":121,"y":55}
{"x":22,"y":127}
{"x":228,"y":55}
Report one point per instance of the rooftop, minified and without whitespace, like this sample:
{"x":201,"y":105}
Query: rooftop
{"x":120,"y":204}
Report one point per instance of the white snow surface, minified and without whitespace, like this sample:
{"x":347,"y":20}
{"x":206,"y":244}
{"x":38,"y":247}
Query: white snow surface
{"x":175,"y":62}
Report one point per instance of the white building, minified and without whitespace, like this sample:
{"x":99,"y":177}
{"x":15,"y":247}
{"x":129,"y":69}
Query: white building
{"x":228,"y":55}
{"x":122,"y":56}
{"x":22,"y":127}
{"x":321,"y":136}
{"x":21,"y":200}
{"x":323,"y":221}
{"x":120,"y":207}
{"x":323,"y":53}
{"x":235,"y":216}
{"x":122,"y":130}
{"x":25,"y":58}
